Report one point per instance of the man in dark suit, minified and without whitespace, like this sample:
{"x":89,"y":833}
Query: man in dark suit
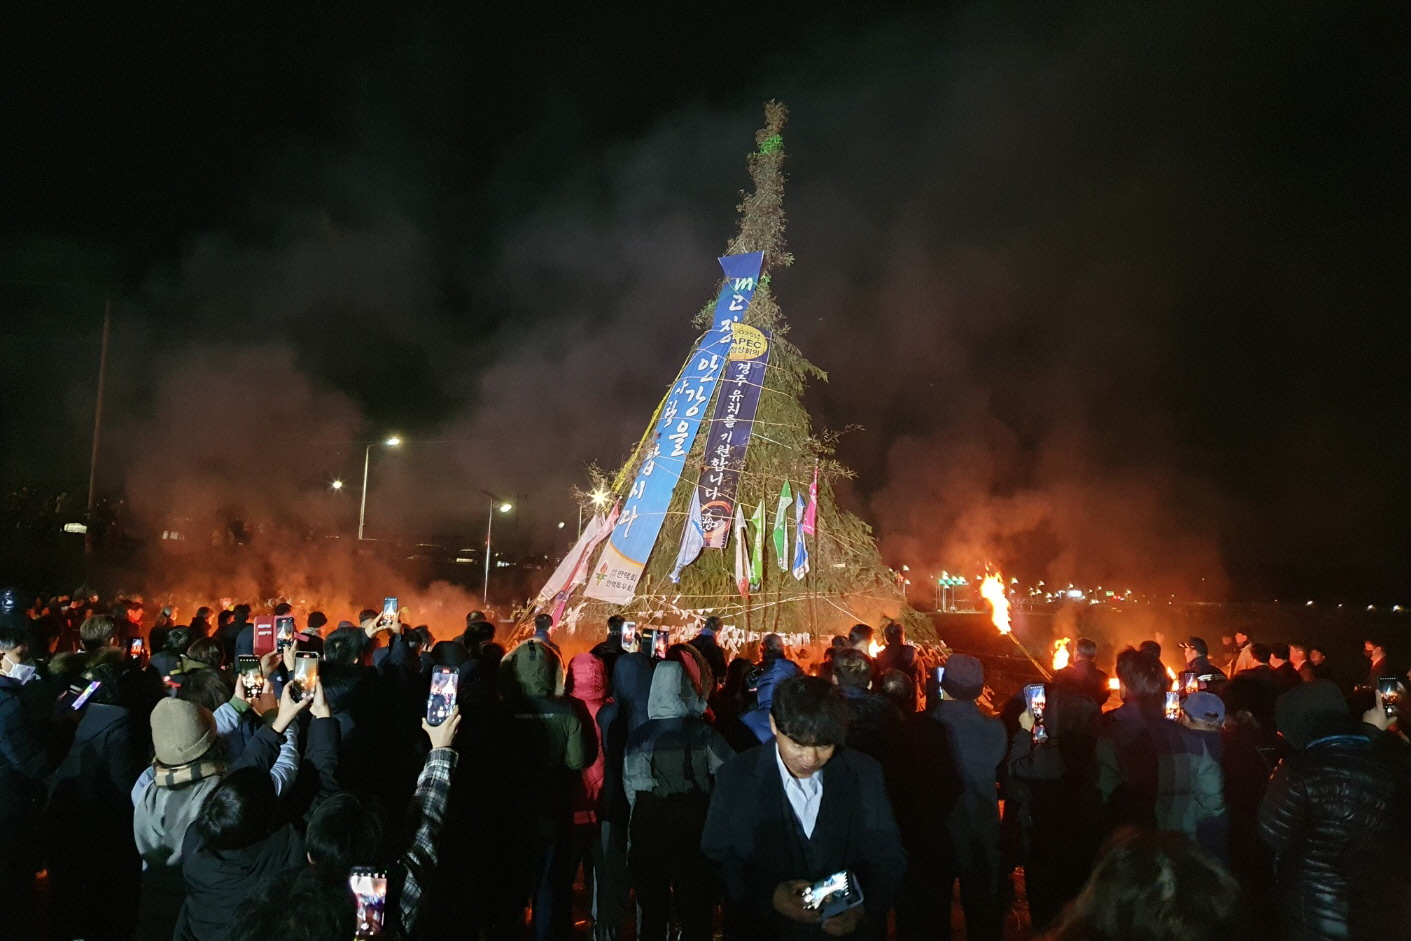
{"x":798,"y":809}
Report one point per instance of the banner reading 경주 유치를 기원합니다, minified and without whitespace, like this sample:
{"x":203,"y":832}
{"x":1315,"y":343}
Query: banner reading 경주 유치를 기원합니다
{"x":728,"y":434}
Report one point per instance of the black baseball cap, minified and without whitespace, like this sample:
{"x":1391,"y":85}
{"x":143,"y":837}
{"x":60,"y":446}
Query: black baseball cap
{"x":1198,"y":645}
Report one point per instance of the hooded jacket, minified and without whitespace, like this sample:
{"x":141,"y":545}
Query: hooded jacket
{"x":675,"y":752}
{"x":775,"y":672}
{"x":548,"y":740}
{"x":587,"y":685}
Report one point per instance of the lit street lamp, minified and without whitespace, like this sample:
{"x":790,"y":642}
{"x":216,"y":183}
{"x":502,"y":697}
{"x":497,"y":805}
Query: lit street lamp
{"x":391,"y":442}
{"x":336,"y":485}
{"x":496,"y":504}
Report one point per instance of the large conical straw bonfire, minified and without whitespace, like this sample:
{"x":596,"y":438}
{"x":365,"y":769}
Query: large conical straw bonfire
{"x":752,"y":587}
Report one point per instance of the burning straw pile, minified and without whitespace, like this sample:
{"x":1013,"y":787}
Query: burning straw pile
{"x":846,"y":581}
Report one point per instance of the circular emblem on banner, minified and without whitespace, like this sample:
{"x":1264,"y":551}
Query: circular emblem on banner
{"x":747,"y":343}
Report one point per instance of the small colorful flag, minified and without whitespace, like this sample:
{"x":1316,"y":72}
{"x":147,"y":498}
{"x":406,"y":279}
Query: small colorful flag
{"x":781,"y":527}
{"x":810,"y":516}
{"x":800,"y":549}
{"x":757,"y":548}
{"x":692,"y":539}
{"x":742,"y":569}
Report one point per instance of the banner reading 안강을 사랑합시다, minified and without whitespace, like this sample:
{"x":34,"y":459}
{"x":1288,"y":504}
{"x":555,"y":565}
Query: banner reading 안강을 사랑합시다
{"x":624,"y":557}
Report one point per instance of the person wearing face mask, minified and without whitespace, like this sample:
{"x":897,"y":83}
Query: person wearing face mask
{"x":29,"y":752}
{"x":797,"y":809}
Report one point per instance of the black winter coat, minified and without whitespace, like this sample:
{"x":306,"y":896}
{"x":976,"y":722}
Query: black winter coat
{"x":752,"y":832}
{"x":26,"y":757}
{"x":714,"y":655}
{"x":1336,"y":817}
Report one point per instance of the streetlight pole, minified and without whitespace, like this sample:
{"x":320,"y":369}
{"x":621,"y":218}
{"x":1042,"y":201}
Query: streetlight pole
{"x":495,"y":504}
{"x":391,"y":442}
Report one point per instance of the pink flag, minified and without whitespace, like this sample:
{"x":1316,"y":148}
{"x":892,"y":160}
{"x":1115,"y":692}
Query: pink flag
{"x":810,"y":515}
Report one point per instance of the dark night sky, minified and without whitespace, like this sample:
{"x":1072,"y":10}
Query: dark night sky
{"x":1112,"y":291}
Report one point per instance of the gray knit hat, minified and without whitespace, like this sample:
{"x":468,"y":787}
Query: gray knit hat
{"x":181,"y":731}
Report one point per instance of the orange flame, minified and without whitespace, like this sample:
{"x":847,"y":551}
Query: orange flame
{"x":873,"y":649}
{"x":1060,"y":653}
{"x":1114,"y":684}
{"x":992,"y":590}
{"x":1175,"y":680}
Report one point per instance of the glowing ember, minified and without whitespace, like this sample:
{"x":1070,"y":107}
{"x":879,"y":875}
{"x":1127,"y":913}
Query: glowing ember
{"x":1060,"y":653}
{"x":992,"y":590}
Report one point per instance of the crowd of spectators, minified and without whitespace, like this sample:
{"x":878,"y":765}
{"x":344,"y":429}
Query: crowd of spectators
{"x":169,"y":779}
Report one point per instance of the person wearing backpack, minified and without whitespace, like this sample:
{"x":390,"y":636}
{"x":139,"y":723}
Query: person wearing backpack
{"x":668,"y":773}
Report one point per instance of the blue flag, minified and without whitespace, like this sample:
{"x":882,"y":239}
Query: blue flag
{"x":692,"y":540}
{"x":800,"y":549}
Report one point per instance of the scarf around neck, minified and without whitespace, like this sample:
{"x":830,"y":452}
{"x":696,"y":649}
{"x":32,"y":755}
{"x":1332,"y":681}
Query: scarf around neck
{"x":175,"y":776}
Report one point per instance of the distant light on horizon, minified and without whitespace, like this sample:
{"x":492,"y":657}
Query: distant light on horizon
{"x":336,"y":485}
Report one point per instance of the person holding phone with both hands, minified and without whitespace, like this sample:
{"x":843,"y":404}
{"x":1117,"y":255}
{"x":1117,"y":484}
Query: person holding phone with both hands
{"x":796,"y":811}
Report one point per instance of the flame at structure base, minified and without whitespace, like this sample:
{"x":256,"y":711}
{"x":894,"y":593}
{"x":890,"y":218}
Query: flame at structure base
{"x":992,"y":590}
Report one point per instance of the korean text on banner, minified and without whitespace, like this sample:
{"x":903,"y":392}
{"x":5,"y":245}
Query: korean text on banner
{"x":741,"y":278}
{"x":728,"y":434}
{"x":624,"y":557}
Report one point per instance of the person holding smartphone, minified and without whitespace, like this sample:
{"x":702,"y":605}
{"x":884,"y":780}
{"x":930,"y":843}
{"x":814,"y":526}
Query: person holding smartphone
{"x":797,"y":810}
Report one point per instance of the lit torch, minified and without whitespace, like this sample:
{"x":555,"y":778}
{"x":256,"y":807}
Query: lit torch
{"x":992,"y":590}
{"x":1060,"y":654}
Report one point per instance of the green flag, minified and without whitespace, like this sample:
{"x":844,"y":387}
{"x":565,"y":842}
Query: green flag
{"x":757,"y":548}
{"x":781,"y":527}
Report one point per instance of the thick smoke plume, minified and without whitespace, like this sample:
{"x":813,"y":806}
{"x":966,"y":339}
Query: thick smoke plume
{"x":1007,"y":237}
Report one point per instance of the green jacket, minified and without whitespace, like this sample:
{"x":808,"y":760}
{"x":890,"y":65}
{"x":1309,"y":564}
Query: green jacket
{"x":549,"y":743}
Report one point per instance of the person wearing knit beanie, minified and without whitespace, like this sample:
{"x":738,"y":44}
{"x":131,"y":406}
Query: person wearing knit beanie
{"x":181,"y":731}
{"x":1311,"y":711}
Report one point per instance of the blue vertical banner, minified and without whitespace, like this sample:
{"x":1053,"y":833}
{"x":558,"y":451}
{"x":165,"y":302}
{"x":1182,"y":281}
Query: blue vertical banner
{"x":728,"y":436}
{"x":741,"y":279}
{"x":625,"y":556}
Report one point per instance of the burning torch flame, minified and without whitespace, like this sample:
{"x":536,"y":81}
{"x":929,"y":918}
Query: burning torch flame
{"x":992,"y":590}
{"x":1060,"y":654}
